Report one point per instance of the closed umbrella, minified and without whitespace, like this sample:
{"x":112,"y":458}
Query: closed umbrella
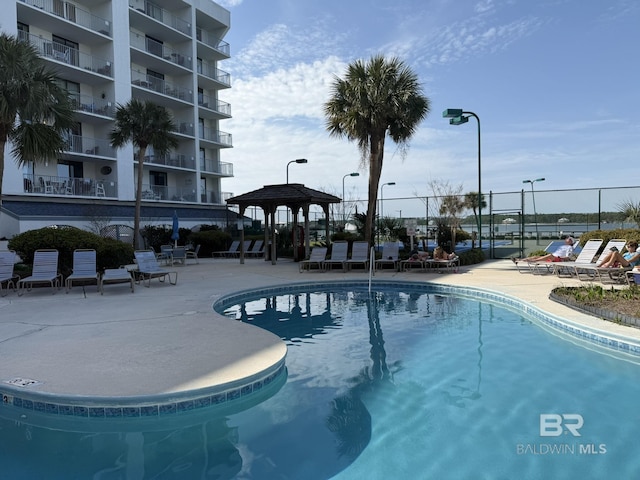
{"x":175,"y":234}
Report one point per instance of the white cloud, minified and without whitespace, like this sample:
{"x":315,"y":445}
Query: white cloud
{"x":229,"y":3}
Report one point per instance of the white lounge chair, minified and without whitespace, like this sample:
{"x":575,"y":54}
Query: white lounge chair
{"x":45,"y":270}
{"x":84,"y":268}
{"x":604,"y":274}
{"x":316,"y":258}
{"x":585,"y":258}
{"x":390,"y":252}
{"x":359,"y":255}
{"x":148,"y":268}
{"x":7,"y":263}
{"x":338,"y":256}
{"x":233,"y":249}
{"x":256,"y":249}
{"x":115,"y":275}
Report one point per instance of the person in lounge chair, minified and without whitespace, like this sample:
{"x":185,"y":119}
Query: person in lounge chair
{"x":418,"y":256}
{"x":440,"y":253}
{"x":561,"y":254}
{"x":630,"y":258}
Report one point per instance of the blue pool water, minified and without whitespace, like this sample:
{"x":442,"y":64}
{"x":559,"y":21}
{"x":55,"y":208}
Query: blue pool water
{"x":398,"y":384}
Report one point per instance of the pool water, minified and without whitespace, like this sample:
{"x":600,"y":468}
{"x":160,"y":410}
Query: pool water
{"x":394,"y":384}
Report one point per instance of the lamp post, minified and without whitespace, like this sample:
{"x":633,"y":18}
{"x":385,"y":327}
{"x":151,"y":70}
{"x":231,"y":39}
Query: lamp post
{"x":352,"y":174}
{"x":298,"y":160}
{"x":382,"y":204}
{"x":533,"y":199}
{"x":457,"y":116}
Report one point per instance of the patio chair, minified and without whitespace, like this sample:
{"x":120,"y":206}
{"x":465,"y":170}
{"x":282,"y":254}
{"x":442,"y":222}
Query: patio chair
{"x":7,"y":263}
{"x":338,"y":256}
{"x":179,"y":255}
{"x":317,"y":257}
{"x":166,"y":254}
{"x":594,"y":272}
{"x":389,"y":256}
{"x":233,"y":249}
{"x":113,"y":276}
{"x":149,"y":268}
{"x":256,"y":249}
{"x":359,"y":255}
{"x":84,"y":268}
{"x":585,"y":257}
{"x":45,"y":270}
{"x":193,"y":254}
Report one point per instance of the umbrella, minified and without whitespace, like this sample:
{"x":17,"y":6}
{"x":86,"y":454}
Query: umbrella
{"x":175,"y":235}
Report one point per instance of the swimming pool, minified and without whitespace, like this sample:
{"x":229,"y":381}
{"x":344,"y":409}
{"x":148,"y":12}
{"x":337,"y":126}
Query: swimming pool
{"x":413,"y":381}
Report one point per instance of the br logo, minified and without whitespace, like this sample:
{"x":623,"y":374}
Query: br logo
{"x":553,"y":424}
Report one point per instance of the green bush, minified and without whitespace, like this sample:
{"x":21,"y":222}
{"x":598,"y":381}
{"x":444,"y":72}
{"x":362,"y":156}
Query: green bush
{"x":110,"y":253}
{"x":629,"y":234}
{"x":471,"y":257}
{"x":210,"y":241}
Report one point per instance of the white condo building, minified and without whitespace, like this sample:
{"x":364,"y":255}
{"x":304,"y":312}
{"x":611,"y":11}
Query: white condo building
{"x":105,"y":53}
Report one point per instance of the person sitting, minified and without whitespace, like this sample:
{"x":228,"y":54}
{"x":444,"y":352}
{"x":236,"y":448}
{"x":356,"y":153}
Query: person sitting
{"x":440,"y":253}
{"x":561,"y":254}
{"x":417,"y":256}
{"x":630,"y":258}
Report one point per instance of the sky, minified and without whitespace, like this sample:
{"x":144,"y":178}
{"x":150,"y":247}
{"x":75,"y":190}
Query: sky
{"x":554,"y":83}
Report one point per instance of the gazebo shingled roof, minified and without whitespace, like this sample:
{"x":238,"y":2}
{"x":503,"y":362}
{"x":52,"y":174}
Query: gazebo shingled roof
{"x":293,"y":195}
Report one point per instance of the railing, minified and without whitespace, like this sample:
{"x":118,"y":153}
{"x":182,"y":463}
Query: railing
{"x":74,"y":14}
{"x":221,"y":168}
{"x":216,"y":136}
{"x":159,"y":50}
{"x":214,"y":42}
{"x":163,"y":192}
{"x":70,"y":56}
{"x":79,"y":187}
{"x":89,"y":146}
{"x":161,"y":15}
{"x":219,"y":106}
{"x":89,"y":104}
{"x":158,"y":85}
{"x":216,"y":74}
{"x":170,"y":160}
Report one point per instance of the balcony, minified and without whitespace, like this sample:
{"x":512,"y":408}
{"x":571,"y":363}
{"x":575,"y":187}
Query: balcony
{"x":65,"y":13}
{"x":223,"y":169}
{"x":159,"y":50}
{"x":215,"y":105}
{"x":89,"y":104}
{"x":159,"y":14}
{"x":153,"y":84}
{"x":216,"y":136}
{"x":210,"y":71}
{"x":64,"y":55}
{"x":165,"y":193}
{"x":220,"y":46}
{"x":171,"y":160}
{"x":95,"y":147}
{"x":65,"y":186}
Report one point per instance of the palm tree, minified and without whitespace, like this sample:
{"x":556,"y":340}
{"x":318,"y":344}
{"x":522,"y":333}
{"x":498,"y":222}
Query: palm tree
{"x":144,"y":124}
{"x":34,"y":110}
{"x":376,"y":98}
{"x":471,"y":201}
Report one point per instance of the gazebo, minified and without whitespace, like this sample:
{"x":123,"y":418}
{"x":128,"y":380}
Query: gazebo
{"x":294,"y":196}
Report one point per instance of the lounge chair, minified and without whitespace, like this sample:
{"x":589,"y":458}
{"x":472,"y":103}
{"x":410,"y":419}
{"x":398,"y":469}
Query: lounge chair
{"x":244,"y":249}
{"x":389,"y":256}
{"x":585,"y":258}
{"x":594,"y":272}
{"x":84,"y":268}
{"x":338,"y":256}
{"x":45,"y":270}
{"x":115,"y":275}
{"x":7,"y":263}
{"x":359,"y":255}
{"x":317,"y":257}
{"x":148,"y":268}
{"x":255,"y":250}
{"x":543,"y":267}
{"x":447,"y":264}
{"x":233,"y":249}
{"x":193,"y":254}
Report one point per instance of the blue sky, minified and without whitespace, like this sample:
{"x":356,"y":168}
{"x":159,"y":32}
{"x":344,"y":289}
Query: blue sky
{"x":554,"y":82}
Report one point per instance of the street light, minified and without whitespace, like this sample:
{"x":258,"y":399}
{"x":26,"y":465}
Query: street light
{"x":457,"y":116}
{"x":533,"y":198}
{"x":299,"y":160}
{"x":353,"y":174}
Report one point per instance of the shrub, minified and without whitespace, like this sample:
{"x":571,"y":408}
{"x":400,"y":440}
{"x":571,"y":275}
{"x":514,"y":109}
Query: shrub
{"x":110,"y":253}
{"x":210,"y":241}
{"x":471,"y":257}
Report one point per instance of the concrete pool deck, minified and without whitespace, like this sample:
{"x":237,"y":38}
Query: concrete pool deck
{"x":164,"y":342}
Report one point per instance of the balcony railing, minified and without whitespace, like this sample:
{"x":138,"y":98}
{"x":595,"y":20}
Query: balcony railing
{"x":220,"y":168}
{"x":163,"y":16}
{"x":70,"y":56}
{"x":216,"y":136}
{"x":89,"y":146}
{"x":171,"y":160}
{"x":140,"y":79}
{"x":214,"y":42}
{"x":74,"y":14}
{"x":216,"y":74}
{"x":212,"y":103}
{"x":173,"y":194}
{"x":159,"y":50}
{"x":79,"y":187}
{"x":89,"y":104}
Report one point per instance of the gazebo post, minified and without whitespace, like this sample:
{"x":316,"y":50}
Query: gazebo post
{"x":325,"y":208}
{"x":273,"y":236}
{"x":265,"y":212}
{"x":307,"y":240}
{"x":241,"y":227}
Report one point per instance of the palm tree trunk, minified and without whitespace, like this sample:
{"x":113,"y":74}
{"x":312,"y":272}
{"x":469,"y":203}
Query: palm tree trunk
{"x":2,"y":145}
{"x":375,"y":171}
{"x":136,"y":218}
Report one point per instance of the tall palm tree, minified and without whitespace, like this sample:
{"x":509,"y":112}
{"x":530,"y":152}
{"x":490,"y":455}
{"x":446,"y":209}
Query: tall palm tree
{"x":471,"y":201}
{"x":144,"y":124}
{"x":376,"y":98}
{"x":34,"y":110}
